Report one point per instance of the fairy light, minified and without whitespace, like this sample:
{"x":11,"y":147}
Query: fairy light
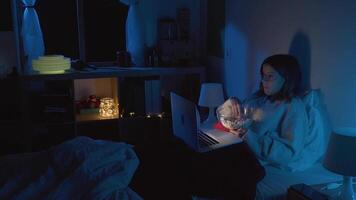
{"x":107,"y":108}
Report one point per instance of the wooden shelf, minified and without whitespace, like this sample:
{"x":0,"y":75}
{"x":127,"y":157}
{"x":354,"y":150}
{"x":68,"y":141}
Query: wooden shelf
{"x":47,"y":106}
{"x":92,"y":117}
{"x":105,"y":72}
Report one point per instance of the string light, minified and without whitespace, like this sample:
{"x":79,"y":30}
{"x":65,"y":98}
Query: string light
{"x":107,"y":107}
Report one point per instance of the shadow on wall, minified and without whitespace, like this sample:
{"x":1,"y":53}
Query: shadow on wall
{"x":300,"y":48}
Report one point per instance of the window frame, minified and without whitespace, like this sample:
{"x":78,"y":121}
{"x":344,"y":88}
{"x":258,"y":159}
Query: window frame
{"x":17,"y":15}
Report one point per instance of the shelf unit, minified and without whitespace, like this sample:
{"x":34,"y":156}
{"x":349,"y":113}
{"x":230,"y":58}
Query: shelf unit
{"x":50,"y":116}
{"x":11,"y":117}
{"x":92,"y":117}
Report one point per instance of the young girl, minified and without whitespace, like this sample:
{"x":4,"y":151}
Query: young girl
{"x":279,"y":119}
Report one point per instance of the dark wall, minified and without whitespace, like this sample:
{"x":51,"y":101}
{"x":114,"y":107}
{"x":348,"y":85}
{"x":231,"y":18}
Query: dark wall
{"x":215,"y":28}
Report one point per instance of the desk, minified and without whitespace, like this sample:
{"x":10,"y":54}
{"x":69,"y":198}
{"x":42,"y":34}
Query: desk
{"x":170,"y":170}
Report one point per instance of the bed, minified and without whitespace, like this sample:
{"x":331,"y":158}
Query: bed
{"x":81,"y":168}
{"x":277,"y":181}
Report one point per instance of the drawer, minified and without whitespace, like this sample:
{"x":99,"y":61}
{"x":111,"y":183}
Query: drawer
{"x":44,"y":136}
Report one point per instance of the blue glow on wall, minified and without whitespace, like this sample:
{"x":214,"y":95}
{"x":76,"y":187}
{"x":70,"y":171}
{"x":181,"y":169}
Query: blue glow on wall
{"x":322,"y":37}
{"x":235,"y":71}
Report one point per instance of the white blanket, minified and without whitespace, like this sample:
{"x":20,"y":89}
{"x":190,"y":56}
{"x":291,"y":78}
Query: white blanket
{"x":81,"y":168}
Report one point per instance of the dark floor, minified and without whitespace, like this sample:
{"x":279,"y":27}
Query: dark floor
{"x":169,"y":169}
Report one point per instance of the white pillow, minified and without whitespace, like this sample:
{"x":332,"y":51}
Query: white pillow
{"x":319,"y":124}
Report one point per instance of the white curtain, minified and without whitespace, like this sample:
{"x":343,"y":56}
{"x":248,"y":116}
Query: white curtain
{"x":135,"y":33}
{"x":31,"y":34}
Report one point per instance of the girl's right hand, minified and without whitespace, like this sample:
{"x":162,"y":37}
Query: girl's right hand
{"x":241,"y":132}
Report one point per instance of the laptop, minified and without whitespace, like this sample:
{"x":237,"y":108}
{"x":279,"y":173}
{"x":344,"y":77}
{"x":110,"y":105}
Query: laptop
{"x":186,"y":126}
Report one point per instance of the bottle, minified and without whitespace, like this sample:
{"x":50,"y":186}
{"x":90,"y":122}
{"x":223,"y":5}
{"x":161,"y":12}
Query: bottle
{"x":155,"y":58}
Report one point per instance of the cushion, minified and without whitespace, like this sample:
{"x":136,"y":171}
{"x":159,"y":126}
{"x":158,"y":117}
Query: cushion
{"x":319,"y":124}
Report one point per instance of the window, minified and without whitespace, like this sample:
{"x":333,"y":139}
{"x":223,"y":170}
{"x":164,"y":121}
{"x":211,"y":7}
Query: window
{"x":59,"y":27}
{"x":104,"y":25}
{"x":90,"y":30}
{"x":5,"y":15}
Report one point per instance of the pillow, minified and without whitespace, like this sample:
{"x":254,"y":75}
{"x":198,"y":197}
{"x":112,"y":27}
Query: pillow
{"x":319,"y":124}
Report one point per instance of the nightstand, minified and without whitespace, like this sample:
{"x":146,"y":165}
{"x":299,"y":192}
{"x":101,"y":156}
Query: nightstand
{"x":333,"y":192}
{"x":315,"y":192}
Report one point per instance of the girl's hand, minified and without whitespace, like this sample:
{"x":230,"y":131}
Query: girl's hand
{"x":241,"y":132}
{"x":231,"y":108}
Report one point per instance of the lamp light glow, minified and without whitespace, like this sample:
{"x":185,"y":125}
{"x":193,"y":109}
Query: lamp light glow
{"x":211,"y":95}
{"x":51,"y":64}
{"x":107,"y":108}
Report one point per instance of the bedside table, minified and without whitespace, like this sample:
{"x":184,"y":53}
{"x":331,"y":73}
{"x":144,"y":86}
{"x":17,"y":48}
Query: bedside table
{"x":333,"y":192}
{"x":315,"y":192}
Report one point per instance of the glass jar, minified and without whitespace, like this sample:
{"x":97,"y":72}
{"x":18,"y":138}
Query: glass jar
{"x":107,"y":107}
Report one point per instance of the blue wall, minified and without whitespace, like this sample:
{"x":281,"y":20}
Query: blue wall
{"x":321,"y":34}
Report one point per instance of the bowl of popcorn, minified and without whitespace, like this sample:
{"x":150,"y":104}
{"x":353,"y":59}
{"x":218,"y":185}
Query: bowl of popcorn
{"x":230,"y":123}
{"x":231,"y":114}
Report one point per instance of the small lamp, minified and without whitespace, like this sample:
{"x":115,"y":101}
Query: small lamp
{"x":107,"y":108}
{"x":340,"y":158}
{"x":211,"y":95}
{"x":51,"y":64}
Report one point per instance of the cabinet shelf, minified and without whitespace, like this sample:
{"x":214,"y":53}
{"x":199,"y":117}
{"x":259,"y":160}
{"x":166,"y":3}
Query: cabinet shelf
{"x":92,"y":117}
{"x":47,"y":106}
{"x":55,"y":95}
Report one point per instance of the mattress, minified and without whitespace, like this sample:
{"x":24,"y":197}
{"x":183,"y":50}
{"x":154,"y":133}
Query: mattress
{"x":276,"y":182}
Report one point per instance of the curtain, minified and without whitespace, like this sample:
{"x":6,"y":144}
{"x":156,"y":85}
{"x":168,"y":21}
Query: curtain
{"x":135,"y":35}
{"x":31,"y":34}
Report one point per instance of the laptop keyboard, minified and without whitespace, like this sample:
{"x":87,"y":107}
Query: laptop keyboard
{"x":205,"y":140}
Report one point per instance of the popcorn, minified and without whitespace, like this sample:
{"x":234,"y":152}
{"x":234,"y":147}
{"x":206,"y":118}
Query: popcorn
{"x":232,"y":115}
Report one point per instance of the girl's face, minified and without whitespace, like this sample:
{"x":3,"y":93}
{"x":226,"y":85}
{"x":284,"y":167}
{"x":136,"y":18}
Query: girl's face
{"x":272,"y":81}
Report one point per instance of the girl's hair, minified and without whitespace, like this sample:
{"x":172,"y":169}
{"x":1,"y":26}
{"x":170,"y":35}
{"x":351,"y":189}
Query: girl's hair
{"x":288,"y":67}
